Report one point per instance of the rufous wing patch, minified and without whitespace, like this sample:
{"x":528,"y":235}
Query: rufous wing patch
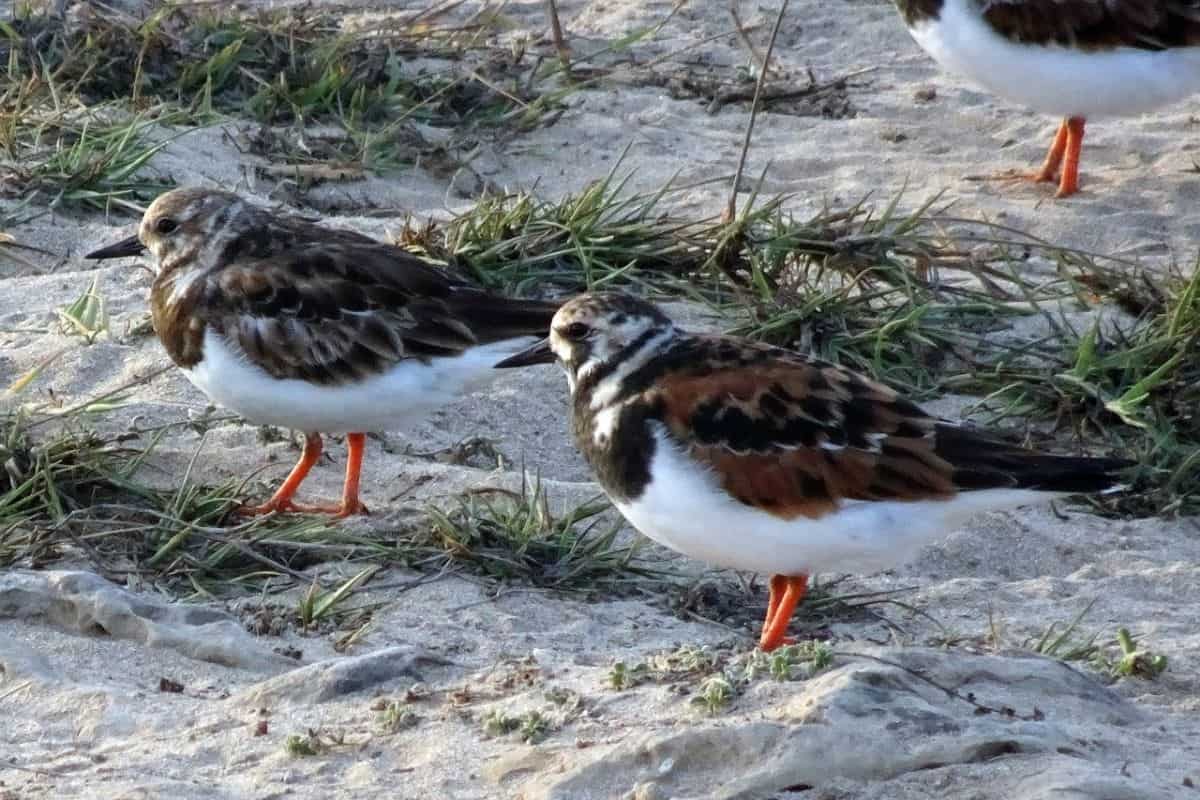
{"x":794,"y":437}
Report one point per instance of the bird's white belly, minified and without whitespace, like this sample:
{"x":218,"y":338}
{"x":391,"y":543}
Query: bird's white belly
{"x":388,"y":401}
{"x":684,"y":509}
{"x":1058,"y":80}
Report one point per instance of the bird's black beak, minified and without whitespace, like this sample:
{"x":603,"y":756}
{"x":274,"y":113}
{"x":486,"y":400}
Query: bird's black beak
{"x":122,"y":249}
{"x":539,"y":353}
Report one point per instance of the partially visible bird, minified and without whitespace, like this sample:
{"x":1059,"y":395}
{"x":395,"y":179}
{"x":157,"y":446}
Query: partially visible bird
{"x":758,"y":458}
{"x":1075,"y":58}
{"x":314,"y":328}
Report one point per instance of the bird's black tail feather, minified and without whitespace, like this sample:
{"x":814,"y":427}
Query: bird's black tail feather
{"x":983,"y":462}
{"x":494,"y":317}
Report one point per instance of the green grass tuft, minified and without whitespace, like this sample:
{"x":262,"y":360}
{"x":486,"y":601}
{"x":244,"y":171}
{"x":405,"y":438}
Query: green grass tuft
{"x":512,"y":536}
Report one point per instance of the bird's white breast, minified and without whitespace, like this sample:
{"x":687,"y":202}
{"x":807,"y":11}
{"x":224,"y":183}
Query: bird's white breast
{"x":388,"y":401}
{"x":684,"y":508}
{"x":1053,"y":79}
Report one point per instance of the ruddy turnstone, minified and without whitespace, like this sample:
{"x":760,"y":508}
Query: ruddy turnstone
{"x":757,"y":458}
{"x":316,"y":329}
{"x":1078,"y":58}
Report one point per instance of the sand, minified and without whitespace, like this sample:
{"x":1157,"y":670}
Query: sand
{"x":81,"y":661}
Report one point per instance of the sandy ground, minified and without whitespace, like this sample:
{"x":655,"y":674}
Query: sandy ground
{"x":81,"y":662}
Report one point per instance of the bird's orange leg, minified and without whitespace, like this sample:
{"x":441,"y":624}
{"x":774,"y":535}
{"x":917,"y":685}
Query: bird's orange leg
{"x":775,"y":627}
{"x":1054,"y":157}
{"x":351,"y":504}
{"x":282,"y":499}
{"x":775,"y":591}
{"x":1069,"y":183}
{"x":356,"y":443}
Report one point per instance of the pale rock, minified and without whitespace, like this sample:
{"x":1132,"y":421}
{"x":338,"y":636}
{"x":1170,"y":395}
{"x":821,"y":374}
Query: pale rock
{"x":885,"y":714}
{"x":85,"y":603}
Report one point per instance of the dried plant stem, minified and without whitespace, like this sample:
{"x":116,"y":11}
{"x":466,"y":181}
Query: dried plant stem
{"x":730,"y":213}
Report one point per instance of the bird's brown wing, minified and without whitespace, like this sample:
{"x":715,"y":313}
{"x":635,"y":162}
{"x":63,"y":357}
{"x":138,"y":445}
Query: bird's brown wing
{"x":795,"y":436}
{"x":1097,"y":24}
{"x":333,"y":307}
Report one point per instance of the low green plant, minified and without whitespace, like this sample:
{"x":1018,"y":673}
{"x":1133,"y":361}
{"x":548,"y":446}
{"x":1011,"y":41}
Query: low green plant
{"x":1063,"y":642}
{"x":318,"y":604}
{"x":1134,"y":661}
{"x":506,"y":536}
{"x":303,"y":746}
{"x":715,"y":695}
{"x":396,"y":716}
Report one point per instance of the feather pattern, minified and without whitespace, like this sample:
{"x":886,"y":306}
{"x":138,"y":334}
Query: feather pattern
{"x":1152,"y":25}
{"x":795,"y":436}
{"x":318,"y":304}
{"x":1097,"y":24}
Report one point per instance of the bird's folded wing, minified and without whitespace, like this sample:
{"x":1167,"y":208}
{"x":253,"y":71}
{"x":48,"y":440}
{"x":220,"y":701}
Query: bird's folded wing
{"x":794,"y":437}
{"x":1097,"y":24}
{"x":333,"y":313}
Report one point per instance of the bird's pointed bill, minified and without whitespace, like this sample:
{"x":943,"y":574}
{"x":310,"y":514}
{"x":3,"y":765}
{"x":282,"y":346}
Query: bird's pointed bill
{"x":122,"y":249}
{"x":539,"y":353}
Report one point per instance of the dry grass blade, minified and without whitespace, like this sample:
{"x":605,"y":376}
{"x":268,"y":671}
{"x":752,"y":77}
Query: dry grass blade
{"x":287,"y":68}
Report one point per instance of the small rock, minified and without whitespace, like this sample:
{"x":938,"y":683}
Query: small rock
{"x":170,"y":686}
{"x":337,"y":677}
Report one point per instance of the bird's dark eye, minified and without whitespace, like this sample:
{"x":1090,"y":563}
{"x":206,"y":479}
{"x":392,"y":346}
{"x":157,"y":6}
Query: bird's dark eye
{"x":575,"y":331}
{"x":166,"y":225}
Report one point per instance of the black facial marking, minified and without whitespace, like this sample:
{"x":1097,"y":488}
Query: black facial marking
{"x":610,"y":365}
{"x":622,"y":462}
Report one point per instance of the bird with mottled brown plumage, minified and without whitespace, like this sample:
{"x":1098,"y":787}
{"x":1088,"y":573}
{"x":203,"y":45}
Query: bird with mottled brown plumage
{"x":758,"y":458}
{"x":314,"y":328}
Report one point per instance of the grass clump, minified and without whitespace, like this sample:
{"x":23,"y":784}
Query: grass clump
{"x":622,"y":676}
{"x":274,"y":65}
{"x":289,"y":69}
{"x":596,"y":238}
{"x":318,"y":605}
{"x":1064,"y":643}
{"x":395,"y":716}
{"x":512,"y":536}
{"x":87,"y":316}
{"x":1137,"y":386}
{"x":67,"y":490}
{"x":531,"y":726}
{"x":76,"y":158}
